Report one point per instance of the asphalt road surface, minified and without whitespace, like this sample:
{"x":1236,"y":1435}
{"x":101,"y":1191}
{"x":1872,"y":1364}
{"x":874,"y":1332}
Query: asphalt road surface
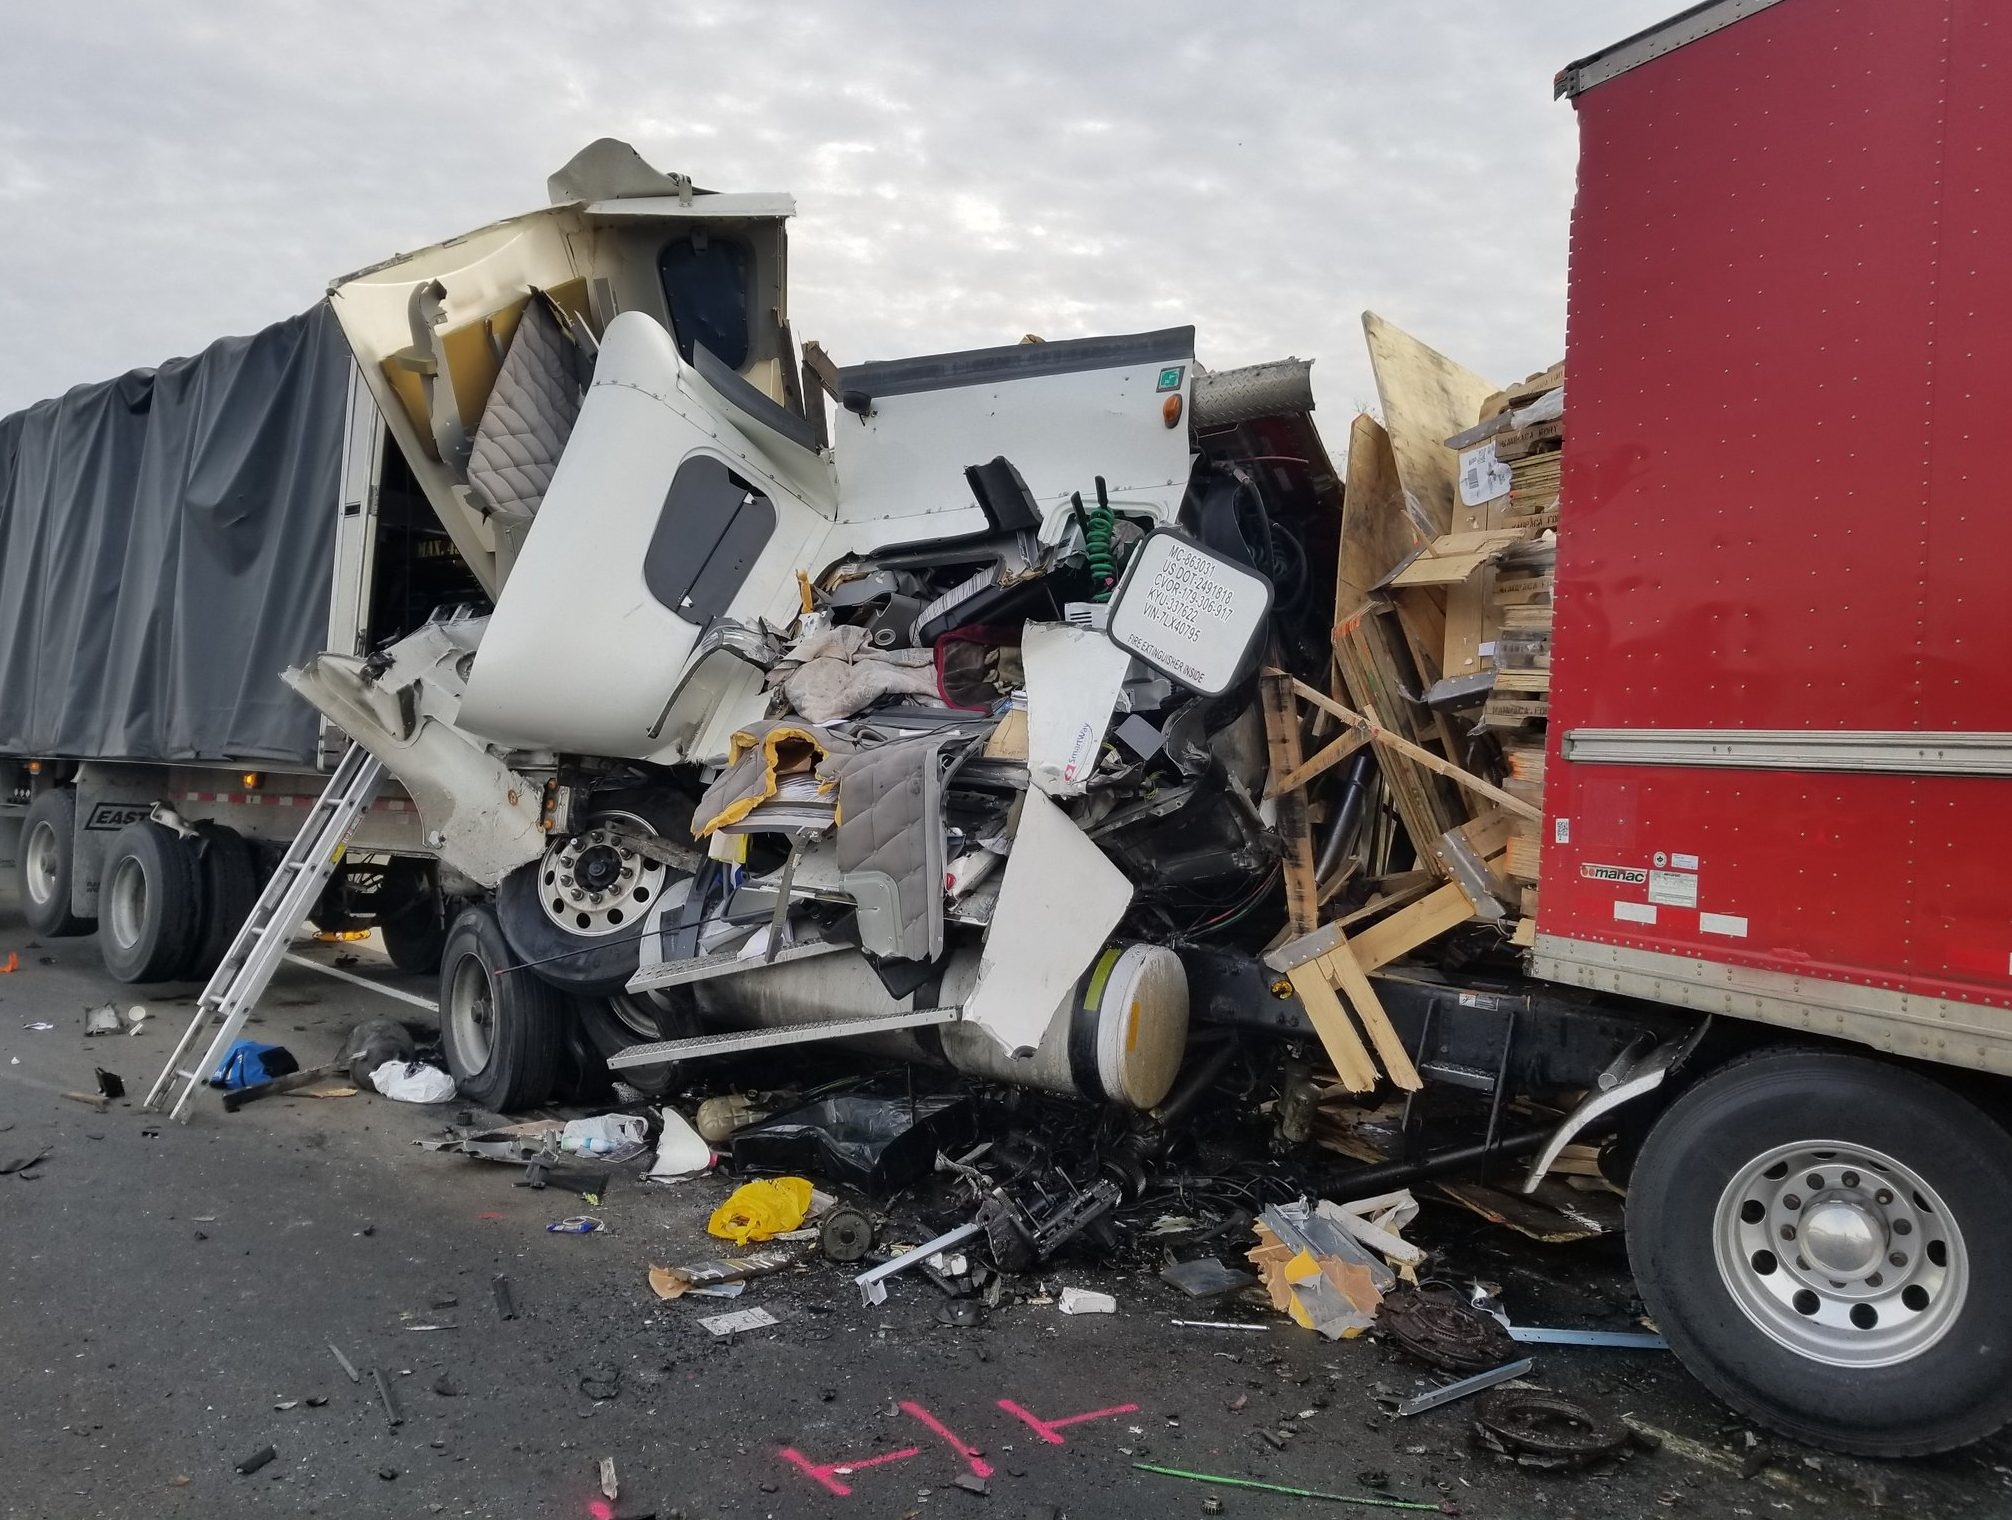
{"x":169,"y":1295}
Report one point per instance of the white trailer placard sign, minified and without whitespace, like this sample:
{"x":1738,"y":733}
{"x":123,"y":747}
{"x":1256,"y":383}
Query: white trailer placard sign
{"x":1189,"y":612}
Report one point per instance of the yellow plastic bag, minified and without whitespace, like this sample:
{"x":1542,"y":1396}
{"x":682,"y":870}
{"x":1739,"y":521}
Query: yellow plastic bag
{"x":761,"y":1210}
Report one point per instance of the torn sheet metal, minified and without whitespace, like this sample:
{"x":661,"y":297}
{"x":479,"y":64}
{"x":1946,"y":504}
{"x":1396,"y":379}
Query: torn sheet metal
{"x":1059,"y":900}
{"x":1074,"y":677}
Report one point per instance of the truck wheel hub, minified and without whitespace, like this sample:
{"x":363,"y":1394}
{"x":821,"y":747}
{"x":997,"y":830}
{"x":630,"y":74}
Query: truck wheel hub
{"x":1842,"y":1254}
{"x":1841,"y":1238}
{"x":593,"y":885}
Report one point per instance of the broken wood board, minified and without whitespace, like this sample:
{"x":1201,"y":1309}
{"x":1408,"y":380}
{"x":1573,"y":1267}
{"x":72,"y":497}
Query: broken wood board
{"x":1453,"y":557}
{"x":1389,"y":739}
{"x":1555,"y":1214}
{"x":1405,"y":930}
{"x":1426,"y":399}
{"x":1330,"y":755}
{"x":1345,"y":973}
{"x":1338,"y":1038}
{"x":1281,"y":724}
{"x":1371,"y":660}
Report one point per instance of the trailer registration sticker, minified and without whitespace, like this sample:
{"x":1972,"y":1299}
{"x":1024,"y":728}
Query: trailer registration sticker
{"x":1673,"y":889}
{"x":1627,"y":876}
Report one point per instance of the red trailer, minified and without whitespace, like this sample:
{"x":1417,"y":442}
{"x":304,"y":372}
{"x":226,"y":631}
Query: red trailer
{"x":1780,"y":771}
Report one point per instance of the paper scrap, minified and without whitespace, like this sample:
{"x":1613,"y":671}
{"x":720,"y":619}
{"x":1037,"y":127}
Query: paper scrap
{"x":739,"y":1320}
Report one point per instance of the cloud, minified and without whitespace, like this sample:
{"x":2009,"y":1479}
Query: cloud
{"x":964,"y":174}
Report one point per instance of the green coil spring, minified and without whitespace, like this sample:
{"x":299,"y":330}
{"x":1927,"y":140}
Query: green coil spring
{"x":1100,"y":523}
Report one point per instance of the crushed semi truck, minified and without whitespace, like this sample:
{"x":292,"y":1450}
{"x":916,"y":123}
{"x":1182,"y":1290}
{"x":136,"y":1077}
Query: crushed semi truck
{"x":1060,"y":713}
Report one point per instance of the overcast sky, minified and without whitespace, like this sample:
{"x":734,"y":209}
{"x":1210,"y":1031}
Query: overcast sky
{"x":964,"y":173}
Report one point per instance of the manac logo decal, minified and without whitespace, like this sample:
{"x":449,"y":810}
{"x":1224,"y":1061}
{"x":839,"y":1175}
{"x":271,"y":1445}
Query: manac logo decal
{"x":1625,"y":875}
{"x":110,"y":817}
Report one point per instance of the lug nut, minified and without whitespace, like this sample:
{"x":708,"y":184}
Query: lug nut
{"x":1897,"y":1259}
{"x":1791,"y":1201}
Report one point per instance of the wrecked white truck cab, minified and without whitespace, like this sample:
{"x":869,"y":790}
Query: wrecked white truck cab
{"x":779,"y":721}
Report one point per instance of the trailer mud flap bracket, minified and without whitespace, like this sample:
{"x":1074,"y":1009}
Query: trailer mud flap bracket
{"x":1632,"y":1074}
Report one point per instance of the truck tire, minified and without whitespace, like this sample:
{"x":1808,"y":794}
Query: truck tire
{"x":501,"y":1030}
{"x":416,"y":931}
{"x":230,"y":888}
{"x":1821,"y":1237}
{"x":150,"y":905}
{"x":591,"y":949}
{"x":612,"y":1024}
{"x":48,"y":853}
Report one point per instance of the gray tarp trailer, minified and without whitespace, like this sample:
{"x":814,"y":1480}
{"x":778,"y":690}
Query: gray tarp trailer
{"x":170,"y":540}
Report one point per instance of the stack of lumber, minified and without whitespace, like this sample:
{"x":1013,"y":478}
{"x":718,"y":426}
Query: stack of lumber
{"x":1442,"y":656}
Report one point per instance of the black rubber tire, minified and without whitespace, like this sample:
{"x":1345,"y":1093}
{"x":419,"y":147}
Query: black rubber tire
{"x":54,"y":811}
{"x":1957,"y":1390}
{"x":414,"y":935}
{"x":612,"y":1024}
{"x":169,"y":915}
{"x":526,"y":1019}
{"x":230,"y":888}
{"x":583,"y":1072}
{"x":585,"y":967}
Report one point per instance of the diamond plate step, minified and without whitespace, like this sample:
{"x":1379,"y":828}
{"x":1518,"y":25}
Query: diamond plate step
{"x":700,"y":967}
{"x":664,"y":1051}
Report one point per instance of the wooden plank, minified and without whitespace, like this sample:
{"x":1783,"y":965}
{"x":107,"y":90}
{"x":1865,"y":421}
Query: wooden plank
{"x":1405,"y":931}
{"x":1281,"y":723}
{"x":1426,"y":399}
{"x":1364,"y":664}
{"x":1333,"y":754}
{"x":1338,"y":1038}
{"x":1392,"y":740}
{"x":1390,"y":897}
{"x":1376,"y":533}
{"x":1442,"y":569}
{"x":1346,"y":973}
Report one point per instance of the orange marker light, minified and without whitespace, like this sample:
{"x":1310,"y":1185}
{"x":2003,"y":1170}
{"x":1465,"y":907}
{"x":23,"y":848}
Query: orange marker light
{"x":1170,"y":410}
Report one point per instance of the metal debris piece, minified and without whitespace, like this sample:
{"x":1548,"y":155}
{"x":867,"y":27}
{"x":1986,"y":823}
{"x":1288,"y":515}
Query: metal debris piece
{"x":846,"y":1235}
{"x":1281,"y":1488}
{"x":1467,"y":1385}
{"x":1438,"y":1328}
{"x":343,"y":1362}
{"x":873,"y":1282}
{"x":610,"y":1486}
{"x":392,"y":1416}
{"x":1620,"y":1340}
{"x":506,"y":1306}
{"x":257,"y":1459}
{"x":1546,"y":1429}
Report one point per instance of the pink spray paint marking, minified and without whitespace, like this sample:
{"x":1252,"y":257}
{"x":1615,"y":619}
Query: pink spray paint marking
{"x":1049,"y":1430}
{"x":827,"y":1473}
{"x":949,"y":1438}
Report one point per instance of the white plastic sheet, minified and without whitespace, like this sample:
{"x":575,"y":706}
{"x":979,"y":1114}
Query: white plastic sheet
{"x":413,"y":1082}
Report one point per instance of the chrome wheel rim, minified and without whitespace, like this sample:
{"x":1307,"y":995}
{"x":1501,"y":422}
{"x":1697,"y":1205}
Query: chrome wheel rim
{"x":126,"y":894}
{"x":39,"y":858}
{"x":471,"y":1009}
{"x":1841,"y":1253}
{"x":590,"y":885}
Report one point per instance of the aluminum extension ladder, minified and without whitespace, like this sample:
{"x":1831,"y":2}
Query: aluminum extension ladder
{"x":241,"y":977}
